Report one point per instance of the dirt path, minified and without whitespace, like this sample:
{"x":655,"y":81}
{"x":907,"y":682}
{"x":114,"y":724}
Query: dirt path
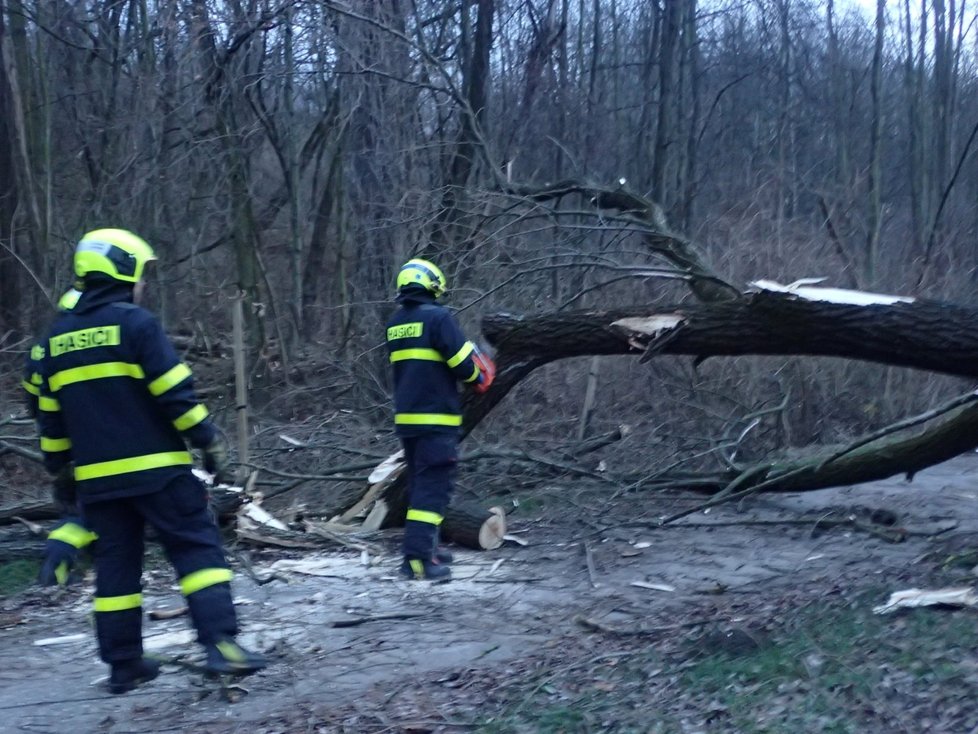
{"x":503,"y":609}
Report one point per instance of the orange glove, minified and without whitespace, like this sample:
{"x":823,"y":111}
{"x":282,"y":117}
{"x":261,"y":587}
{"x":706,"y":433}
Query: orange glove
{"x":487,"y":371}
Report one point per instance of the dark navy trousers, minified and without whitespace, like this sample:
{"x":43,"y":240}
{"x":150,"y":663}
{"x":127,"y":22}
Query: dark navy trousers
{"x":192,"y":543}
{"x":431,"y":462}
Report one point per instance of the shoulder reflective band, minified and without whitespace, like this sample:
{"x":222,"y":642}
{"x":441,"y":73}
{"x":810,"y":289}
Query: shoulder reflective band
{"x":47,"y":404}
{"x":169,"y":379}
{"x":191,"y":418}
{"x":54,"y":445}
{"x":132,"y":464}
{"x":32,"y":389}
{"x":97,"y":336}
{"x":94,"y":372}
{"x":203,"y":578}
{"x":73,"y":534}
{"x":461,"y":354}
{"x":118,"y":603}
{"x":430,"y":355}
{"x":432,"y":518}
{"x":427,"y":419}
{"x":405,"y":331}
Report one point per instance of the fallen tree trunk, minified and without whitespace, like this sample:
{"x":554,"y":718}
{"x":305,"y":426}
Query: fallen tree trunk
{"x":925,"y":335}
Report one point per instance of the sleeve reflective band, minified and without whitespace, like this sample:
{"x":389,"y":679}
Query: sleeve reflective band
{"x":202,"y":579}
{"x":430,"y":355}
{"x":191,"y":418}
{"x":432,"y":518}
{"x":118,"y":603}
{"x":49,"y":405}
{"x":461,"y":354}
{"x":169,"y":379}
{"x":475,"y":374}
{"x":427,"y":419}
{"x":132,"y":464}
{"x":32,"y":389}
{"x":94,"y":372}
{"x":54,"y":445}
{"x":73,"y":534}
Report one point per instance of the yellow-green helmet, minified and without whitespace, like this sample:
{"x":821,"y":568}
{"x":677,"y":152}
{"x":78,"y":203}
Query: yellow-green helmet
{"x":424,"y":273}
{"x":117,"y":253}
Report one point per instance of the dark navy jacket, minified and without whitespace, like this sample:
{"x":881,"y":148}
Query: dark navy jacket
{"x":429,"y":355}
{"x":116,"y":400}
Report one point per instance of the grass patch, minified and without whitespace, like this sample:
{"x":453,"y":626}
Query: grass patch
{"x":15,"y":576}
{"x":825,"y":668}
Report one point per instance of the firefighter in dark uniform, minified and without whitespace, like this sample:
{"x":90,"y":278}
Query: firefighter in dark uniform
{"x":71,"y":535}
{"x":117,"y":406}
{"x":430,"y":356}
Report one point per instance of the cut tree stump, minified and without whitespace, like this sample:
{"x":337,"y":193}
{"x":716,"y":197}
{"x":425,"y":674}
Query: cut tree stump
{"x":470,"y":526}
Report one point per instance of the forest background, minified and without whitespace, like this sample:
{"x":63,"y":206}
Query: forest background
{"x":296,"y":153}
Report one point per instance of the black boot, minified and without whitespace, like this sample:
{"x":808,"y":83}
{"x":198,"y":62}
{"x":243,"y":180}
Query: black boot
{"x":442,"y":556}
{"x":420,"y":570}
{"x":227,"y":656}
{"x":128,"y":674}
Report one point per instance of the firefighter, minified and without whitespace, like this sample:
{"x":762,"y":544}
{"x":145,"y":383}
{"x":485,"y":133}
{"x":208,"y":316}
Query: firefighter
{"x":116,"y":407}
{"x":71,"y":535}
{"x":430,"y":356}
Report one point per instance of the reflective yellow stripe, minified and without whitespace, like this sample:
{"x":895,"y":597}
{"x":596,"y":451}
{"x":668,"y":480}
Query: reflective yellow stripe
{"x":475,"y":374}
{"x":230,"y":651}
{"x":417,"y":567}
{"x":73,"y":534}
{"x":132,"y":464}
{"x":48,"y":404}
{"x":53,"y":445}
{"x":95,"y":372}
{"x":36,"y":379}
{"x":430,"y":355}
{"x":461,"y":354}
{"x":169,"y":379}
{"x":191,"y":418}
{"x":118,"y":603}
{"x":202,"y":579}
{"x":61,"y":573}
{"x":432,"y":518}
{"x":427,"y":419}
{"x":32,"y":389}
{"x":37,"y":352}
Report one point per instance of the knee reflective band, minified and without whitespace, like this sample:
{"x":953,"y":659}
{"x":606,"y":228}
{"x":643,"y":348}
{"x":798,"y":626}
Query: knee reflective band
{"x":432,"y":518}
{"x":73,"y":534}
{"x":118,"y":603}
{"x":61,"y":573}
{"x":427,"y":419}
{"x":132,"y":464}
{"x":203,"y":578}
